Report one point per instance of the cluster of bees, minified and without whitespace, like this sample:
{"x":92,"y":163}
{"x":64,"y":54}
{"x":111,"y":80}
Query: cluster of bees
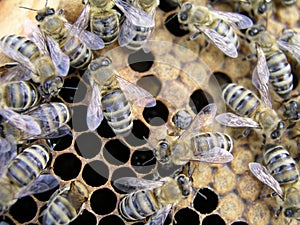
{"x":43,"y":57}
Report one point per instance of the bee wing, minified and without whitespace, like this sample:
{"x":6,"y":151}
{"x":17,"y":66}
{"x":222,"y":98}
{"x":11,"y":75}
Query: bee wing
{"x":23,"y":122}
{"x":261,"y":173}
{"x":203,"y":118}
{"x":82,"y":20}
{"x":130,"y":184}
{"x":42,"y":183}
{"x":260,"y":77}
{"x":136,"y":94}
{"x":137,"y":16}
{"x":8,"y":151}
{"x":91,"y":40}
{"x":160,"y":216}
{"x":291,"y":48}
{"x":233,"y":120}
{"x":14,"y":72}
{"x":60,"y":60}
{"x":57,"y":133}
{"x":94,"y":112}
{"x":236,"y":20}
{"x":17,"y":56}
{"x":126,"y":33}
{"x":215,"y":155}
{"x":224,"y":44}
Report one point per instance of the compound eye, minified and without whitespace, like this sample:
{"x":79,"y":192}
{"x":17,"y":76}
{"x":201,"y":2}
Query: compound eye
{"x":181,"y":180}
{"x":288,"y":212}
{"x":281,"y":125}
{"x":106,"y":61}
{"x":274,"y":134}
{"x":188,"y":6}
{"x":253,"y":32}
{"x":262,"y":9}
{"x":183,"y":16}
{"x":39,"y":17}
{"x":50,"y":11}
{"x":185,"y":192}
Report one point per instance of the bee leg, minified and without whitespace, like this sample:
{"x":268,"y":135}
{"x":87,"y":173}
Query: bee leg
{"x":194,"y":36}
{"x":278,"y":211}
{"x":249,"y":57}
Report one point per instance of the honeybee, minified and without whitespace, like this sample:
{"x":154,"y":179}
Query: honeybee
{"x":110,"y":95}
{"x":152,"y":198}
{"x":216,"y":25}
{"x":192,"y":145}
{"x":134,"y":35}
{"x":279,"y":69}
{"x":35,"y":62}
{"x":256,"y":9}
{"x":73,"y":40}
{"x":282,"y":176}
{"x":291,"y":108}
{"x":253,"y":112}
{"x":288,"y":2}
{"x":22,"y":176}
{"x":66,"y":204}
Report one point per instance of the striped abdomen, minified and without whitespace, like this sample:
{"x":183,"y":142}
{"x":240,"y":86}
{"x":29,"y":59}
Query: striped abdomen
{"x":117,"y":112}
{"x":288,"y":2}
{"x":240,"y":100}
{"x":50,"y":116}
{"x":226,"y":31}
{"x":23,"y":45}
{"x":203,"y":142}
{"x":20,"y":95}
{"x":138,"y":205}
{"x":105,"y":25}
{"x":60,"y":211}
{"x":80,"y":56}
{"x":281,"y":78}
{"x":281,"y":165}
{"x":28,"y":165}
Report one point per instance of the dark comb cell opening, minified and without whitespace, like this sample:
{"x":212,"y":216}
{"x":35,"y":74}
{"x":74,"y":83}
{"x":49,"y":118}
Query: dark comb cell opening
{"x":221,"y":78}
{"x":143,"y":160}
{"x":140,"y":61}
{"x":239,"y":223}
{"x":79,"y":118}
{"x":119,"y":173}
{"x":167,"y":5}
{"x":72,"y":86}
{"x":111,"y":219}
{"x":104,"y":130}
{"x":174,"y":27}
{"x":95,"y":173}
{"x":61,"y":143}
{"x":199,"y":99}
{"x":213,"y":219}
{"x":45,"y":196}
{"x":208,"y":204}
{"x":88,"y":145}
{"x":116,"y":152}
{"x":157,"y":115}
{"x":6,"y":220}
{"x":150,"y":83}
{"x":295,"y":81}
{"x":186,"y":214}
{"x":67,"y":166}
{"x":85,"y":218}
{"x":24,"y":209}
{"x":138,"y":132}
{"x":103,"y":201}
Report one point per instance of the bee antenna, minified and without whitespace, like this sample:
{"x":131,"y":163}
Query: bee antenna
{"x":46,"y":3}
{"x":149,"y":143}
{"x":172,"y":17}
{"x":144,"y":163}
{"x":24,"y":7}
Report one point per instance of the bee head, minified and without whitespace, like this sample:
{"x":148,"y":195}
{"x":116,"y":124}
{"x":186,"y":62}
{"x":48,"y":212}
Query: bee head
{"x":184,"y":184}
{"x":162,"y":152}
{"x":42,"y":14}
{"x":52,"y":86}
{"x":278,"y":132}
{"x":183,"y":14}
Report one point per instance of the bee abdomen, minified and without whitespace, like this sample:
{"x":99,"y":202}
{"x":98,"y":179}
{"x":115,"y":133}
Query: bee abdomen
{"x":59,"y":210}
{"x":80,"y":56}
{"x":28,"y":165}
{"x":226,"y":31}
{"x":240,"y":99}
{"x":22,"y":44}
{"x":281,"y":165}
{"x":208,"y":140}
{"x":138,"y":205}
{"x":140,"y":38}
{"x":117,"y":111}
{"x":105,"y":25}
{"x":20,"y":95}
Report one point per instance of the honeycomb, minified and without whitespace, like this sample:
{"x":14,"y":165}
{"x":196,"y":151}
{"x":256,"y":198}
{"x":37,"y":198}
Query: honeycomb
{"x":184,"y":76}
